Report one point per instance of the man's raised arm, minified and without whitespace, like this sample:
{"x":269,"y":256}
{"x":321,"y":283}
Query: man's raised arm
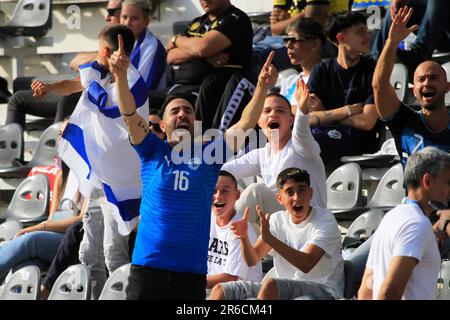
{"x":137,"y":126}
{"x":252,"y":111}
{"x":386,"y":100}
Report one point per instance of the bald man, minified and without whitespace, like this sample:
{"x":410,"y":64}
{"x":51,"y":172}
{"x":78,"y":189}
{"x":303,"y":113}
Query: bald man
{"x":412,"y":130}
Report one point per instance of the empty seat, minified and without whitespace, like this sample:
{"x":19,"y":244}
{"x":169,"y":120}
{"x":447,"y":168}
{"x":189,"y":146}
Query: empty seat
{"x":44,"y":155}
{"x":362,"y":228}
{"x":25,"y":284}
{"x":446,"y":67}
{"x":399,"y":80}
{"x":344,"y":191}
{"x":31,"y":18}
{"x":73,"y":284}
{"x":114,"y":288}
{"x":11,"y":145}
{"x":390,"y":191}
{"x":29,"y":204}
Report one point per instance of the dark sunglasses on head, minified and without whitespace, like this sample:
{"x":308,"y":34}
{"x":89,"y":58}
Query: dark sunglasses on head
{"x":112,"y":11}
{"x":297,"y":37}
{"x":155,"y":126}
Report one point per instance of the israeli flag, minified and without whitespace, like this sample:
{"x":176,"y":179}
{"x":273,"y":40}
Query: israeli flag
{"x":96,"y":146}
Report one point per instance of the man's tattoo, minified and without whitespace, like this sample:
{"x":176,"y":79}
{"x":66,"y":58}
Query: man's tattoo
{"x":142,"y":126}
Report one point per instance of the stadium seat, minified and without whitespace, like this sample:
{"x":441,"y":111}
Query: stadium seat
{"x":45,"y":155}
{"x":399,"y":80}
{"x":390,"y":191}
{"x":444,"y":281}
{"x":386,"y":157}
{"x":31,"y":18}
{"x":114,"y":288}
{"x":29,"y":204}
{"x":11,"y":145}
{"x":8,"y":229}
{"x":73,"y":284}
{"x":362,"y":228}
{"x":446,"y":67}
{"x":25,"y":284}
{"x":344,"y":192}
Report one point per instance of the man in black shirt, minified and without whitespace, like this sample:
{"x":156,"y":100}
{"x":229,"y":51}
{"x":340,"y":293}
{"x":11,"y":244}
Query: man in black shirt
{"x":344,"y":120}
{"x":412,"y":130}
{"x":213,"y":54}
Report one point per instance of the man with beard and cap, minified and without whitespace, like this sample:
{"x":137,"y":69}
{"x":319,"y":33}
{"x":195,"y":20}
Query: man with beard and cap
{"x":412,"y":130}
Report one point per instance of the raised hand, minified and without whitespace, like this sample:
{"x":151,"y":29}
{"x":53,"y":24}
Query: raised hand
{"x":264,"y":225}
{"x":118,"y":61}
{"x":398,"y":30}
{"x":302,"y":96}
{"x":39,"y":89}
{"x":240,"y":227}
{"x":269,"y":74}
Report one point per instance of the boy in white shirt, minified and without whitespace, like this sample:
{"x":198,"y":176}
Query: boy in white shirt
{"x":305,"y":244}
{"x":225,"y":262}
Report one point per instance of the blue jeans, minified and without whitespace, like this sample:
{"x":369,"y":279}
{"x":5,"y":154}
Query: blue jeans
{"x":24,"y":250}
{"x":432,"y":16}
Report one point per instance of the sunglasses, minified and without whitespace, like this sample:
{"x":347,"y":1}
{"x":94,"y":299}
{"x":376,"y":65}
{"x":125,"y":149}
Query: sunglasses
{"x":297,"y":37}
{"x":112,"y":11}
{"x":155,"y":126}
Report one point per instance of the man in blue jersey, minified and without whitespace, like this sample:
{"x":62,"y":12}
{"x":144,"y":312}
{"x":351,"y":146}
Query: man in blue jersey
{"x":170,"y":256}
{"x":412,"y":130}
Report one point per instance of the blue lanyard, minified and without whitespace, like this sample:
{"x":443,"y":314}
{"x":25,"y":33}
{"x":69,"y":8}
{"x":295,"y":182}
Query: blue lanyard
{"x":410,"y":201}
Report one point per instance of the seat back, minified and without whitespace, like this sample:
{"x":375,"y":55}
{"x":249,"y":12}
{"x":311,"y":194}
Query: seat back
{"x":30,"y":200}
{"x":399,"y":80}
{"x":114,"y":288}
{"x":446,"y":67}
{"x":389,"y":191}
{"x":11,"y":144}
{"x":8,"y":229}
{"x":365,"y":225}
{"x":444,"y":281}
{"x":349,"y":275}
{"x":73,"y":284}
{"x":46,"y":150}
{"x":30,"y":18}
{"x":344,"y":187}
{"x":25,"y":284}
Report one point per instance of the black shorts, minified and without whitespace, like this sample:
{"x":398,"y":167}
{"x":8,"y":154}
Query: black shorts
{"x":147,"y":283}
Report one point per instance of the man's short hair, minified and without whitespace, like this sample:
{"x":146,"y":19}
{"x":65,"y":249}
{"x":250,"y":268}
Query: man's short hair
{"x":344,"y":21}
{"x":187,"y":95}
{"x":309,"y":28}
{"x":278,"y":95}
{"x":110,"y":33}
{"x":428,"y":160}
{"x":144,"y":5}
{"x":295,"y":174}
{"x":224,"y":173}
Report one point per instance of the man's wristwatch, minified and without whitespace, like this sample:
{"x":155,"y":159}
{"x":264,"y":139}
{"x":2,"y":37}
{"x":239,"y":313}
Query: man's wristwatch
{"x":444,"y":225}
{"x":174,"y":39}
{"x":349,"y":112}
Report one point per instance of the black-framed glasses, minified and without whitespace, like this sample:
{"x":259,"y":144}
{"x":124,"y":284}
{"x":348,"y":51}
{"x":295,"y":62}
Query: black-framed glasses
{"x":296,"y":37}
{"x":112,"y":11}
{"x":155,"y":126}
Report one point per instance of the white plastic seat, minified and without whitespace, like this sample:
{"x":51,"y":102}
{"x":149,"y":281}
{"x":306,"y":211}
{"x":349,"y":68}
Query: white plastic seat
{"x":8,"y":229}
{"x":399,"y":80}
{"x":11,"y":144}
{"x":73,"y":284}
{"x":25,"y":284}
{"x":390,"y":191}
{"x":115,"y":286}
{"x":362,"y":228}
{"x":446,"y":67}
{"x":444,"y":281}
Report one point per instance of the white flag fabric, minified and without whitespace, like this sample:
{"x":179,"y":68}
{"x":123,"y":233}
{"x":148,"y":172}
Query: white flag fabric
{"x":96,"y":147}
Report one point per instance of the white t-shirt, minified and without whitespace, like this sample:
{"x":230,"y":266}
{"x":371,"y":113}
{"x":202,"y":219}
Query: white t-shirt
{"x":406,"y":231}
{"x":224,"y":252}
{"x":301,"y":151}
{"x":320,"y":229}
{"x":288,"y":86}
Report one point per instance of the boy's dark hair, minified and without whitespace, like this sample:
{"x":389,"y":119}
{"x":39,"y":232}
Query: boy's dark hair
{"x":344,"y":21}
{"x":308,"y":28}
{"x":296,"y":174}
{"x":224,"y":173}
{"x":279,"y":95}
{"x":110,"y":33}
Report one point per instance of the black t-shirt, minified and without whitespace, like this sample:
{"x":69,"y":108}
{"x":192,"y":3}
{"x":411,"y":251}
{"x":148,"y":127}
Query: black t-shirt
{"x":411,"y":133}
{"x":337,"y":87}
{"x":236,"y":26}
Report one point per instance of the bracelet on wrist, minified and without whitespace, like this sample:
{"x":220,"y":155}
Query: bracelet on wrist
{"x":128,"y":114}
